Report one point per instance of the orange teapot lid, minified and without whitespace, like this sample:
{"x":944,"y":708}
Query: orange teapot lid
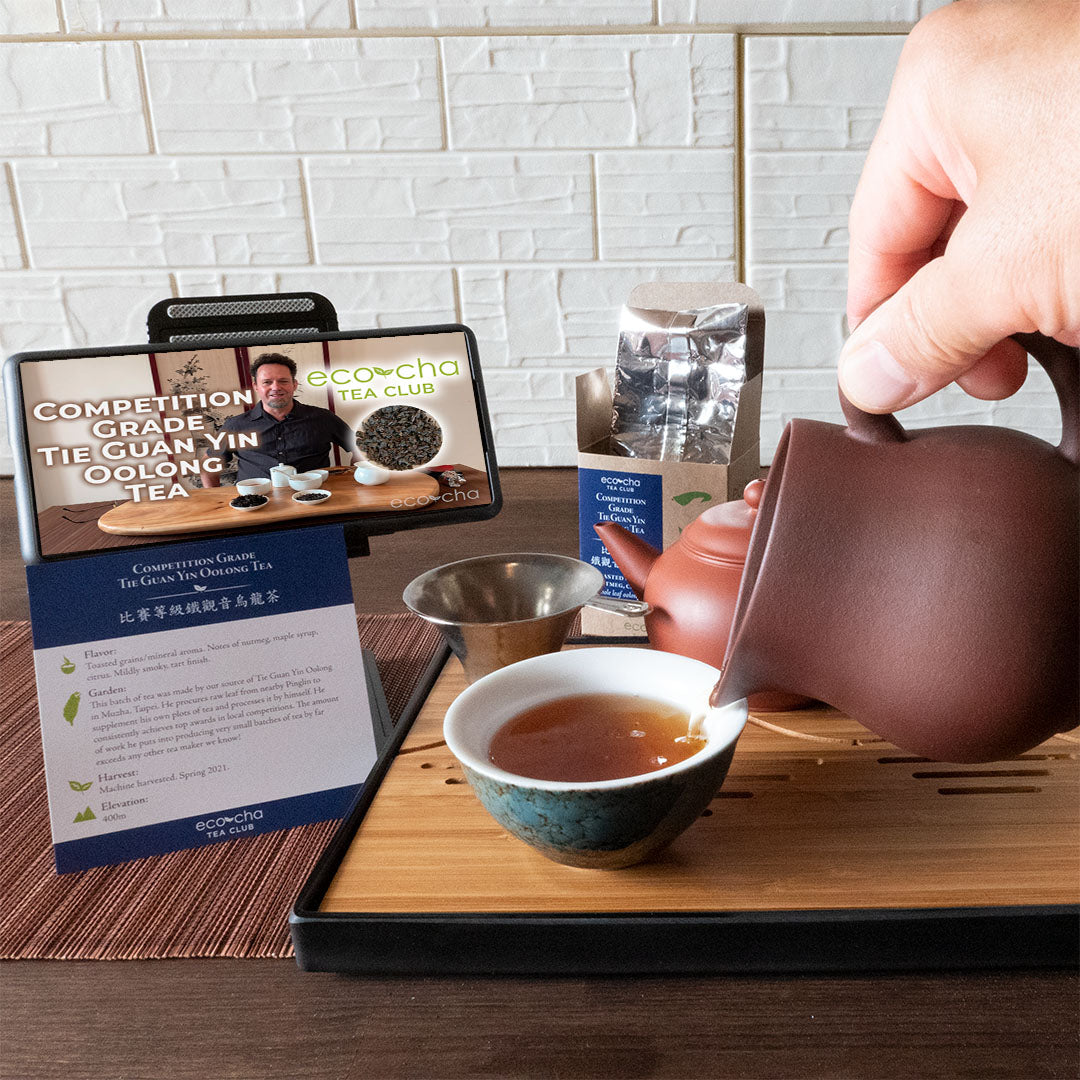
{"x":723,"y":532}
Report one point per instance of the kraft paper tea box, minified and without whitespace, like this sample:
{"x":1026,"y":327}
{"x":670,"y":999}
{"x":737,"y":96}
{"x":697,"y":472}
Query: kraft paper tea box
{"x":676,"y":432}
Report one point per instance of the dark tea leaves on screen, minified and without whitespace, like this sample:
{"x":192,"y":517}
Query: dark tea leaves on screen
{"x":586,"y":737}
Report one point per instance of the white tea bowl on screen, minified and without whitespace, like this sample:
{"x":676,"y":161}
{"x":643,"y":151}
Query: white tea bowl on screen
{"x":370,"y":475}
{"x":305,"y":481}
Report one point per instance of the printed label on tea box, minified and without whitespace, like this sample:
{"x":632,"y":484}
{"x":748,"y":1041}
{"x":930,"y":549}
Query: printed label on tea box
{"x":198,"y":692}
{"x":632,"y":500}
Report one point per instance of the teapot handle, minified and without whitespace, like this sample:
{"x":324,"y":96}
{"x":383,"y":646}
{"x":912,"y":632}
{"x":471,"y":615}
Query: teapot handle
{"x":871,"y":427}
{"x":1061,"y":363}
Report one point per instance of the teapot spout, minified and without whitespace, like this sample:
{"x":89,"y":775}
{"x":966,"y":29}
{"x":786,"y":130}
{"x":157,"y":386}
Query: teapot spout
{"x":632,"y":555}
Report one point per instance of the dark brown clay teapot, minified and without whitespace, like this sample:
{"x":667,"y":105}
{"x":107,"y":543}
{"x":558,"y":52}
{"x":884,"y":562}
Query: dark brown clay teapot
{"x":923,"y":582}
{"x":692,"y":586}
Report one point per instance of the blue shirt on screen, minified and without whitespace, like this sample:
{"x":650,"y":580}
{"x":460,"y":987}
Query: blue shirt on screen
{"x":302,"y":438}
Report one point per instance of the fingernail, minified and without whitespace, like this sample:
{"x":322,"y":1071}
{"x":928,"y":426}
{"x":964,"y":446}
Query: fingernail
{"x":872,"y":378}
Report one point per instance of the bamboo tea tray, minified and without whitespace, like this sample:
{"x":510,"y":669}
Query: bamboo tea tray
{"x":208,"y":509}
{"x":827,"y":849}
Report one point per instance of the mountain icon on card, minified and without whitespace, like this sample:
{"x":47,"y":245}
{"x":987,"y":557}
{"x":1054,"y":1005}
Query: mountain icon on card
{"x":86,"y":815}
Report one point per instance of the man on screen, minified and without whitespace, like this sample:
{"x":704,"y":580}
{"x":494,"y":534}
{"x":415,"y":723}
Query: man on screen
{"x":290,"y":432}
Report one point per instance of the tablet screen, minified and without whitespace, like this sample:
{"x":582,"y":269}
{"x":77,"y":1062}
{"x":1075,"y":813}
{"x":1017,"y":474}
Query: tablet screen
{"x":121,"y":447}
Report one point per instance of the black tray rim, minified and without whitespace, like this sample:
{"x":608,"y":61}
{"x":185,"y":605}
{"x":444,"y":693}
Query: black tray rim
{"x":815,"y":941}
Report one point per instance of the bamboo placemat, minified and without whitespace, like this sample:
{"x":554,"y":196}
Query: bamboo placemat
{"x":226,"y":899}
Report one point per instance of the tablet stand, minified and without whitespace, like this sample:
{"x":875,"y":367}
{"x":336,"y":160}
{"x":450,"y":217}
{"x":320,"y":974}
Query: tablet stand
{"x":252,"y":317}
{"x":249,"y":318}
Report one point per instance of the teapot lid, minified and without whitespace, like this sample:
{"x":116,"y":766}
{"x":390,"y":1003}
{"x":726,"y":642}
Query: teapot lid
{"x":723,"y":532}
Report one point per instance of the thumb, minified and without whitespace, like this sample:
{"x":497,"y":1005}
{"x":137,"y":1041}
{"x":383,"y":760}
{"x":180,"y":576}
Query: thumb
{"x":929,"y":333}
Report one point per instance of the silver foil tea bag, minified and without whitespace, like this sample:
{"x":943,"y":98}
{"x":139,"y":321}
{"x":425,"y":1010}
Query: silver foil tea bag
{"x":678,"y":376}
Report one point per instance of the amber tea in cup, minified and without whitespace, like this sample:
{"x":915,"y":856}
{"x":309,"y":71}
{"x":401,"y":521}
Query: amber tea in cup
{"x":594,"y":737}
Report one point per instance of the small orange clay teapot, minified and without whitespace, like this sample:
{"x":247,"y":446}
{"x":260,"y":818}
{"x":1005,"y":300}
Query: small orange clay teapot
{"x":924,"y":582}
{"x":689,"y":616}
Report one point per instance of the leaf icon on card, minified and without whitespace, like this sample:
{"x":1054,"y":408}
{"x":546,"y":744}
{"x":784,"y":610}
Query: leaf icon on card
{"x":384,"y":371}
{"x":688,"y":497}
{"x":72,"y":707}
{"x":76,"y":786}
{"x":200,"y":588}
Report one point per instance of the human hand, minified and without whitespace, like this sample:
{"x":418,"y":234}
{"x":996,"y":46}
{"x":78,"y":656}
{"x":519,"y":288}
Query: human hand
{"x":965,"y":227}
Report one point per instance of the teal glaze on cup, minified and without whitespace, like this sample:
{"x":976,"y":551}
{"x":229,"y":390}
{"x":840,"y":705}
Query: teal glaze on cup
{"x":604,"y":824}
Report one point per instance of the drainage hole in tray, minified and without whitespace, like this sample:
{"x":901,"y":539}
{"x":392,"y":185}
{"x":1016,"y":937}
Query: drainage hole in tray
{"x":1017,"y":790}
{"x":962,"y":774}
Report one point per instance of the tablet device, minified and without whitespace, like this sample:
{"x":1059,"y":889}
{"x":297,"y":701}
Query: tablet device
{"x":133,"y":446}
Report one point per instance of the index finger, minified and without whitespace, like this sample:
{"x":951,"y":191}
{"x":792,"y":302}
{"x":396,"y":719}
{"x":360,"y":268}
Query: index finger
{"x":904,"y":204}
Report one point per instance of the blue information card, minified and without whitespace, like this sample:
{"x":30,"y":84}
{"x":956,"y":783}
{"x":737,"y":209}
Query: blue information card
{"x":198,"y":692}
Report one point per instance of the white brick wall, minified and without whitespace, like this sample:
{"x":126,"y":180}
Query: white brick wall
{"x":178,"y":16}
{"x":516,"y":164}
{"x":28,"y":17}
{"x":160,"y":211}
{"x":586,"y":92}
{"x":773,"y":14}
{"x":817,"y":93}
{"x":11,"y":256}
{"x":451,"y":208}
{"x":463,"y":13}
{"x":68,"y":310}
{"x":292,"y":95}
{"x":61,"y":98}
{"x":667,"y":204}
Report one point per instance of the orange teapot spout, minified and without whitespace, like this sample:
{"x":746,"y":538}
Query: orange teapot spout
{"x":632,"y":555}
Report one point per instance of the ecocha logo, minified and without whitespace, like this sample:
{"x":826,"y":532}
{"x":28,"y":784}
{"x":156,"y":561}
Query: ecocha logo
{"x":216,"y":828}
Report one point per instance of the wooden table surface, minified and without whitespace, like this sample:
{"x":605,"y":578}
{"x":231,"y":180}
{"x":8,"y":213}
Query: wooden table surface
{"x":255,"y":1019}
{"x":210,"y":509}
{"x":101,"y":526}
